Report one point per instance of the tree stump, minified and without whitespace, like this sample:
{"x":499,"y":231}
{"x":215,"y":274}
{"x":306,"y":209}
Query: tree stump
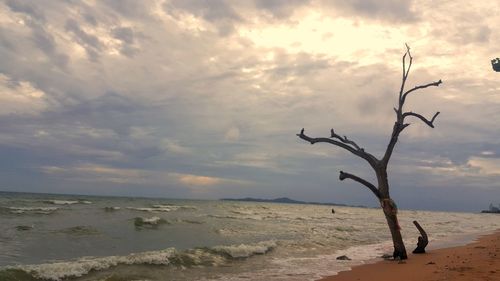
{"x":422,"y":240}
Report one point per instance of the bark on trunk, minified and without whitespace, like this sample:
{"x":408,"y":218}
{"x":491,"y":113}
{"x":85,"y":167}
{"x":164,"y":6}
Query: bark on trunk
{"x":391,"y":213}
{"x":397,"y":239}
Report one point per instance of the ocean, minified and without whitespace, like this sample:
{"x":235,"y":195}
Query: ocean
{"x":68,"y":237}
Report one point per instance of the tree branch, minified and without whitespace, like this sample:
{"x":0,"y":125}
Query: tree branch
{"x":344,"y":176}
{"x":406,"y":71}
{"x":344,"y":143}
{"x":435,"y":84}
{"x":399,"y":125}
{"x":344,"y":140}
{"x":425,"y":120}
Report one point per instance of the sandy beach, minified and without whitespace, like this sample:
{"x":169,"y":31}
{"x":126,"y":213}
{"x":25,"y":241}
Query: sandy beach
{"x":479,"y":260}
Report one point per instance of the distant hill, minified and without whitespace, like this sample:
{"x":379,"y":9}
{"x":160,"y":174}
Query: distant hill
{"x":284,"y":200}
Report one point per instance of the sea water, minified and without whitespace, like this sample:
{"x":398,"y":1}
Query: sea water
{"x":62,"y":237}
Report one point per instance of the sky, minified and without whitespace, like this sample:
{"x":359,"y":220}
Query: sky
{"x":203,"y":99}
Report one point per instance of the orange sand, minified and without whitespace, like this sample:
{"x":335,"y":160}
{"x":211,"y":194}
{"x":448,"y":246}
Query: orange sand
{"x":478,"y":261}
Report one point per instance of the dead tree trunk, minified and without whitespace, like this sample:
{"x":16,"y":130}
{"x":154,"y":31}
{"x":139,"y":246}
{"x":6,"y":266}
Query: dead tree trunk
{"x":381,"y":191}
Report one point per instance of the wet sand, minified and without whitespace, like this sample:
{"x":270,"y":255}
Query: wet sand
{"x":476,"y":261}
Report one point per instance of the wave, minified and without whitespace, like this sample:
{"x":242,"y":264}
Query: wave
{"x":161,"y":208}
{"x":214,"y":256}
{"x":174,"y":207}
{"x":258,"y":218}
{"x":111,"y":209}
{"x":79,"y":230}
{"x":66,"y":202}
{"x":188,"y":221}
{"x":246,"y":250}
{"x":152,"y":221}
{"x":32,"y":210}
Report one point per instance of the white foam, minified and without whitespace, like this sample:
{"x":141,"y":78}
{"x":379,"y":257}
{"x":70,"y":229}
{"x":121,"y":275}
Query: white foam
{"x":61,"y":202}
{"x":153,"y":209}
{"x":59,"y":270}
{"x":161,"y":208}
{"x":246,"y":250}
{"x":77,"y":268}
{"x":36,"y":210}
{"x":152,"y":220}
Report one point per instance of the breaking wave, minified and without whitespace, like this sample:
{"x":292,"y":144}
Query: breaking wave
{"x":31,"y":210}
{"x":152,"y":221}
{"x":168,"y":257}
{"x":161,"y":208}
{"x":66,"y":202}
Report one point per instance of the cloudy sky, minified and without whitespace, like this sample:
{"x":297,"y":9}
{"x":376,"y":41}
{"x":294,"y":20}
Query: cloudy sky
{"x":203,"y":98}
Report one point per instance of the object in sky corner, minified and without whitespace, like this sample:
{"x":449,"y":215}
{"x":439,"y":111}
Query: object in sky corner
{"x":495,"y":63}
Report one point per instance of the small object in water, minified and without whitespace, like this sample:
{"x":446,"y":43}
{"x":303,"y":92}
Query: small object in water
{"x":333,"y":211}
{"x":495,"y":63}
{"x":343,"y":258}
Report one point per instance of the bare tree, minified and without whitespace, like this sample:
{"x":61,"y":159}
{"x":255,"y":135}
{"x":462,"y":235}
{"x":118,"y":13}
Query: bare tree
{"x":381,"y":190}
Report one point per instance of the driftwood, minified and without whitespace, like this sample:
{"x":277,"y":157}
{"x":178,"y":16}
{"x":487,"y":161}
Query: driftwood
{"x":422,"y":240}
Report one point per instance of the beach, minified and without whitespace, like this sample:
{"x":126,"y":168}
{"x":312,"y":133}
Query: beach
{"x":479,"y":260}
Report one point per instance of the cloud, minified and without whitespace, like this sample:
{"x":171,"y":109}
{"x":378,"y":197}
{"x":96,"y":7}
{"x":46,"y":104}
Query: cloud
{"x":217,"y":12}
{"x":386,"y":10}
{"x":21,"y":97}
{"x":26,"y":8}
{"x":486,"y":166}
{"x":89,"y":42}
{"x":173,"y":146}
{"x":177,"y":97}
{"x":280,"y":9}
{"x":192,"y":180}
{"x":232,"y":135}
{"x":103,"y":174}
{"x":95,"y":173}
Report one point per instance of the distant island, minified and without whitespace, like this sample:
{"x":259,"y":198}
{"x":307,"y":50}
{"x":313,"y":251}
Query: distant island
{"x":287,"y":201}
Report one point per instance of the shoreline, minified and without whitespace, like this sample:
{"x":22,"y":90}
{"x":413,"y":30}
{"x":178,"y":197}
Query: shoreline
{"x":477,"y":260}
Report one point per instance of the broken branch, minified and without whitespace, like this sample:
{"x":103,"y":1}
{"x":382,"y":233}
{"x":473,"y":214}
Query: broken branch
{"x":435,"y":84}
{"x":344,"y":140}
{"x":344,"y":143}
{"x":425,"y":120}
{"x":344,"y":175}
{"x":423,"y":240}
